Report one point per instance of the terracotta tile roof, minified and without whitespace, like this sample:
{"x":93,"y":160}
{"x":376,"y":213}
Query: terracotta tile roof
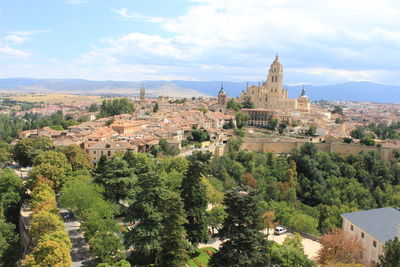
{"x":102,"y":133}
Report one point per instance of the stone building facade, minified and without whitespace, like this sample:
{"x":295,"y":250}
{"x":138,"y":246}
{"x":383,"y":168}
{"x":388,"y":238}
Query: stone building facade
{"x":272,"y":96}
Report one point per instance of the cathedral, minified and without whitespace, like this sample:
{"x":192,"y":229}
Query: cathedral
{"x":272,"y":96}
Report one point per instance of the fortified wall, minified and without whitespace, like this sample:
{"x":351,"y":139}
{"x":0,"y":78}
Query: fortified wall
{"x":287,"y":146}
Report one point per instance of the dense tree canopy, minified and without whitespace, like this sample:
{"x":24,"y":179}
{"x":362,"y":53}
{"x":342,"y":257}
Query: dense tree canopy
{"x":28,"y":148}
{"x":112,"y":107}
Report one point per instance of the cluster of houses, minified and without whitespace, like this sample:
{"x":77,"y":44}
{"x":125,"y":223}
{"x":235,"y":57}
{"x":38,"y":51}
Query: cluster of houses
{"x":136,"y":133}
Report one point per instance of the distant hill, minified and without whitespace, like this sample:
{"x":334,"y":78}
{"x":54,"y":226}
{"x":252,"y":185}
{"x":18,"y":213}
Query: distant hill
{"x":354,"y":91}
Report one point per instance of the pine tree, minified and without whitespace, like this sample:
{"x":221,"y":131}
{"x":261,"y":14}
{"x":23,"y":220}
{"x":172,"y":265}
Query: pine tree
{"x":194,"y":197}
{"x":391,"y":254}
{"x":155,"y":108}
{"x":174,"y":244}
{"x":244,"y":245}
{"x":146,"y":212}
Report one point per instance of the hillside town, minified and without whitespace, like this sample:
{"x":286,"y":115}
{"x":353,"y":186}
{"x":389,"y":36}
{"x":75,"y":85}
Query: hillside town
{"x":230,"y":147}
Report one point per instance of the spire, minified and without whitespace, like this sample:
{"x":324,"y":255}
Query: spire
{"x":221,"y":91}
{"x":303,"y":92}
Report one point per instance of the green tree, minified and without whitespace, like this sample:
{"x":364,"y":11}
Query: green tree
{"x":194,"y":196}
{"x":42,"y":195}
{"x":8,"y":240}
{"x":155,"y":108}
{"x":106,"y":247}
{"x":282,"y":127}
{"x":84,"y":198}
{"x":173,"y":245}
{"x":200,"y":135}
{"x":272,"y":124}
{"x":48,"y":254}
{"x":43,"y":223}
{"x":358,"y":133}
{"x":215,"y":218}
{"x":117,"y":179}
{"x":367,"y":140}
{"x":229,"y":125}
{"x":5,"y":152}
{"x":241,"y":119}
{"x":348,"y":140}
{"x":56,"y":175}
{"x":312,"y":130}
{"x":247,"y":102}
{"x":146,"y":212}
{"x":112,"y":107}
{"x":57,"y":159}
{"x":10,"y":193}
{"x":214,"y":196}
{"x":203,"y":109}
{"x":244,"y":244}
{"x":289,"y":256}
{"x":27,"y":149}
{"x":337,"y":110}
{"x":93,"y":107}
{"x":60,"y":236}
{"x":140,"y":163}
{"x":233,"y":105}
{"x":391,"y":254}
{"x":77,"y":157}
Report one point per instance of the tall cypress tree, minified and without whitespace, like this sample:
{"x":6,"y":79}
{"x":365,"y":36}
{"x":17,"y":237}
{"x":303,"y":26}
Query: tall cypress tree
{"x":244,"y":245}
{"x":194,"y":198}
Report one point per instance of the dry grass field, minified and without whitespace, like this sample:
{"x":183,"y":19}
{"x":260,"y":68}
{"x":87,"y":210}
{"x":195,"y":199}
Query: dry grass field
{"x":55,"y":98}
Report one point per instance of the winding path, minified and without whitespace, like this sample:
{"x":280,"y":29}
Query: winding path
{"x":80,"y":250}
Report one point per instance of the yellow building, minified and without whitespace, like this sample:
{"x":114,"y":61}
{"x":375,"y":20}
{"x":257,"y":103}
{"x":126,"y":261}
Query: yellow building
{"x":272,"y":96}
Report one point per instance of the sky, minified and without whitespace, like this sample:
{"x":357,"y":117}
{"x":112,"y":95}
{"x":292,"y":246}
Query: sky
{"x":318,"y":41}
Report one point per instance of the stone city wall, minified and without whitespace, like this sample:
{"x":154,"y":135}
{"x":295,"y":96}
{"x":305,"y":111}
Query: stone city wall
{"x":287,"y":146}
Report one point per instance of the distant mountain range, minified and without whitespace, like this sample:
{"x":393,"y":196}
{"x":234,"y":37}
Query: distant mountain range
{"x":353,"y":91}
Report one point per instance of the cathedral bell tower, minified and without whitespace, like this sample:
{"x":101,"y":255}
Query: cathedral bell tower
{"x":222,"y":97}
{"x":275,"y":78}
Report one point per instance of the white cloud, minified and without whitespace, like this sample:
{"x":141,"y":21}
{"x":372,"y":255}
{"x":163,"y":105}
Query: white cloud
{"x":29,"y":33}
{"x":16,"y":39}
{"x":7,"y":51}
{"x":123,"y":12}
{"x":19,"y":37}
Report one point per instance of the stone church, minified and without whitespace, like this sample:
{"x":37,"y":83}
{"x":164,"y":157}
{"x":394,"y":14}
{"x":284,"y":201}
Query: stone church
{"x":272,"y":96}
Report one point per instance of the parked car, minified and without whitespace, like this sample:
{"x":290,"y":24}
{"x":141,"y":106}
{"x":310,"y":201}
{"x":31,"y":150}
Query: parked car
{"x":280,"y":230}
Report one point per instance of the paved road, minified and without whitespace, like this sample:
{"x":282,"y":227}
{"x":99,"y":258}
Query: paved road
{"x":22,"y":174}
{"x":310,"y":247}
{"x":80,"y":250}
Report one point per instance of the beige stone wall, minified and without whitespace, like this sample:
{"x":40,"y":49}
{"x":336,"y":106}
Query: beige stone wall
{"x":286,"y":147}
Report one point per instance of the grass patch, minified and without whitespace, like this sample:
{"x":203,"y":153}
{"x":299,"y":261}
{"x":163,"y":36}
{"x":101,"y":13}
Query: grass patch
{"x":203,"y":257}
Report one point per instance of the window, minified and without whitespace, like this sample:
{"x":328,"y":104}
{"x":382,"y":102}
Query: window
{"x":94,"y":152}
{"x":374,"y":243}
{"x":362,"y":235}
{"x":102,"y":152}
{"x":352,"y":226}
{"x":109,"y":153}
